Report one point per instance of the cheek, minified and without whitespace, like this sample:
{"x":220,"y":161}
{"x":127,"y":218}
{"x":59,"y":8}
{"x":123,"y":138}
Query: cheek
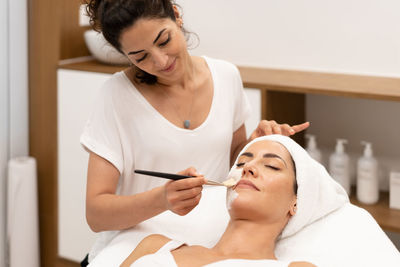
{"x":179,"y":44}
{"x":279,"y":191}
{"x":231,"y":195}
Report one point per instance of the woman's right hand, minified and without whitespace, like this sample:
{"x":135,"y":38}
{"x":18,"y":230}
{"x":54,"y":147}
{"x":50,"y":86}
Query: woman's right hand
{"x":183,"y":195}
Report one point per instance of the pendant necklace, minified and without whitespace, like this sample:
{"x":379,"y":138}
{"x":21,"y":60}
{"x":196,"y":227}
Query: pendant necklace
{"x":186,"y":123}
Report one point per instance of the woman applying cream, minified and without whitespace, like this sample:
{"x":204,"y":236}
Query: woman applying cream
{"x":167,"y":101}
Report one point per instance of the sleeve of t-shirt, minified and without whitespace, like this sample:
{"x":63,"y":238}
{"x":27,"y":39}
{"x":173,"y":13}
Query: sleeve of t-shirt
{"x":242,"y":109}
{"x":100,"y":134}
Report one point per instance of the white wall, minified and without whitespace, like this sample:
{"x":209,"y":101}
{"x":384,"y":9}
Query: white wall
{"x":18,"y":77}
{"x":13,"y":96}
{"x":356,"y":36}
{"x":4,"y":155}
{"x":344,"y":36}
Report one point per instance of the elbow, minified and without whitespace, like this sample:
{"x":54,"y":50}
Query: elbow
{"x":93,"y":224}
{"x":94,"y":221}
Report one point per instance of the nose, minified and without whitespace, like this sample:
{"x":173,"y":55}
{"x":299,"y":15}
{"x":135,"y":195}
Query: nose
{"x":160,"y":59}
{"x":249,"y":170}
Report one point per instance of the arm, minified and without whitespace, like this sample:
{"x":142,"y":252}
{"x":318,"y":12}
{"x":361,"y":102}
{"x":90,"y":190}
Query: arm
{"x":239,"y":140}
{"x":107,"y":211}
{"x":301,"y":264}
{"x":149,"y":245}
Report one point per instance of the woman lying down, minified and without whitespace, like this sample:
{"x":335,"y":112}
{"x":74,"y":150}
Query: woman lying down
{"x":260,"y":205}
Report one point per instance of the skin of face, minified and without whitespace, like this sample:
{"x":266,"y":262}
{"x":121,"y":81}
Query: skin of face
{"x":157,"y":46}
{"x":265,"y":190}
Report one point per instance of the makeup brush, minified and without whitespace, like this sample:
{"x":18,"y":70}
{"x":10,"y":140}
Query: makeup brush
{"x":228,"y":183}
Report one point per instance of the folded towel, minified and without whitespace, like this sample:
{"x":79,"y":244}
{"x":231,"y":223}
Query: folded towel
{"x":348,"y":236}
{"x":317,"y":195}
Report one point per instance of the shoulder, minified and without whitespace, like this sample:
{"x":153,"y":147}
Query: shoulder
{"x":220,"y":64}
{"x":149,"y":245}
{"x":153,"y":243}
{"x":116,"y":79}
{"x":301,"y":264}
{"x":114,"y":89}
{"x":114,"y":83}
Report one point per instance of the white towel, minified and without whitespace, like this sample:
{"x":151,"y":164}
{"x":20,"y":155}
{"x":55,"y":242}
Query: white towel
{"x":348,"y":236}
{"x":317,"y":195}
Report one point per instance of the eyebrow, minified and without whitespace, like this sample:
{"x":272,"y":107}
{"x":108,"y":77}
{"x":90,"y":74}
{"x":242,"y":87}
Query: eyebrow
{"x":272,"y":155}
{"x":155,"y":40}
{"x":267,"y":155}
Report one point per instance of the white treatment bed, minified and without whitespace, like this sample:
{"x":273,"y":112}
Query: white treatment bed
{"x":348,"y":236}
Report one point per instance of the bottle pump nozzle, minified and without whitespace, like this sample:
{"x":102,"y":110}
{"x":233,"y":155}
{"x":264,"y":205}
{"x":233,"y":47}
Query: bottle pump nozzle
{"x":312,"y":144}
{"x":340,"y":145}
{"x":367,"y":149}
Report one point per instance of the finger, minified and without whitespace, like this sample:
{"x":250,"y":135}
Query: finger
{"x":191,"y":171}
{"x":287,"y":130}
{"x":188,"y":183}
{"x":277,"y":129}
{"x":265,"y":128}
{"x":183,"y":212}
{"x":301,"y":127}
{"x":188,"y":203}
{"x":188,"y":193}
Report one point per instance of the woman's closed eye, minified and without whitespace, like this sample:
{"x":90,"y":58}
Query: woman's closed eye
{"x":272,"y":167}
{"x":241,"y":164}
{"x":141,"y":59}
{"x":165,"y":42}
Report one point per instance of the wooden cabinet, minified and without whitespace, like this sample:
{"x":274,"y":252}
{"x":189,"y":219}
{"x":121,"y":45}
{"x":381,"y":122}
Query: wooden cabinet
{"x":76,"y":91}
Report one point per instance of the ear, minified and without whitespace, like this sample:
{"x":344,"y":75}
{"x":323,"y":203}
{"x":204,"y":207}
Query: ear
{"x":293,"y":209}
{"x":177,"y":14}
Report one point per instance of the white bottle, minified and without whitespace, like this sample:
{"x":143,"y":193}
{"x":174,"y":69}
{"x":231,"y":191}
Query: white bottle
{"x":339,"y":165}
{"x":312,"y":149}
{"x":367,"y":177}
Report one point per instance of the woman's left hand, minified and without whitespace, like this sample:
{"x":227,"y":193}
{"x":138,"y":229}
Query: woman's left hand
{"x":272,"y":127}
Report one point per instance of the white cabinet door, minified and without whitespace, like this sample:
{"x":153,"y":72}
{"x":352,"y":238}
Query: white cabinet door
{"x":76,"y":94}
{"x":254,"y":96}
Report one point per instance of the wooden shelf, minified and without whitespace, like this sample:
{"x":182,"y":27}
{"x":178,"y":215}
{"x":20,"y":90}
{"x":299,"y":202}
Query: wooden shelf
{"x":388,"y":219}
{"x":304,"y":82}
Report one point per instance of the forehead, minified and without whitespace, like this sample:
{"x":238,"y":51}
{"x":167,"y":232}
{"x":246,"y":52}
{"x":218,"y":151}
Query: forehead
{"x":146,"y":27}
{"x":267,"y":146}
{"x":143,"y":32}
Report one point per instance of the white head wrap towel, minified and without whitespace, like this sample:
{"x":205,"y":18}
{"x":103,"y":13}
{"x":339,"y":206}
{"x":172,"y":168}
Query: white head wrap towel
{"x":317,"y":195}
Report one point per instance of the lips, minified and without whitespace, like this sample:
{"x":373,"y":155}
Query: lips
{"x":246,"y":184}
{"x":170,"y":67}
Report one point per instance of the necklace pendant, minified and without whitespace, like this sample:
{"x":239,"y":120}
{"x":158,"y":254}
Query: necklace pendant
{"x":186,"y":124}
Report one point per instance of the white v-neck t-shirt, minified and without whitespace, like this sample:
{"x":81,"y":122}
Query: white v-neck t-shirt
{"x":125,"y":129}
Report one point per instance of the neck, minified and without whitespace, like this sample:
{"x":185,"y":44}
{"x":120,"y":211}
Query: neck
{"x":248,"y":239}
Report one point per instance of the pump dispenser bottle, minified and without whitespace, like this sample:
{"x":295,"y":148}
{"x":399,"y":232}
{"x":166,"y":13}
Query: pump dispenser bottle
{"x":312,"y":149}
{"x":339,"y":165}
{"x":367,"y":176}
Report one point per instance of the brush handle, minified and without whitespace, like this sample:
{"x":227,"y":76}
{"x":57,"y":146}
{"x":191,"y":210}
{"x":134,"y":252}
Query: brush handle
{"x":171,"y":176}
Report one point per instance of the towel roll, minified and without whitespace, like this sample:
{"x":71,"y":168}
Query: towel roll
{"x":22,"y":213}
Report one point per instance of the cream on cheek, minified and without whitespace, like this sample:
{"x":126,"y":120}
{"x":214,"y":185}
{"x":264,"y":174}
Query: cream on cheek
{"x":235,"y":175}
{"x":231,"y":195}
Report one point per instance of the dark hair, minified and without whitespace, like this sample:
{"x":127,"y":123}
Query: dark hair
{"x":112,"y":17}
{"x":295,"y":185}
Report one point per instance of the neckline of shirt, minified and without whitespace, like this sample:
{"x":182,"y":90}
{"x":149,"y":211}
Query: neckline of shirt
{"x":161,"y":117}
